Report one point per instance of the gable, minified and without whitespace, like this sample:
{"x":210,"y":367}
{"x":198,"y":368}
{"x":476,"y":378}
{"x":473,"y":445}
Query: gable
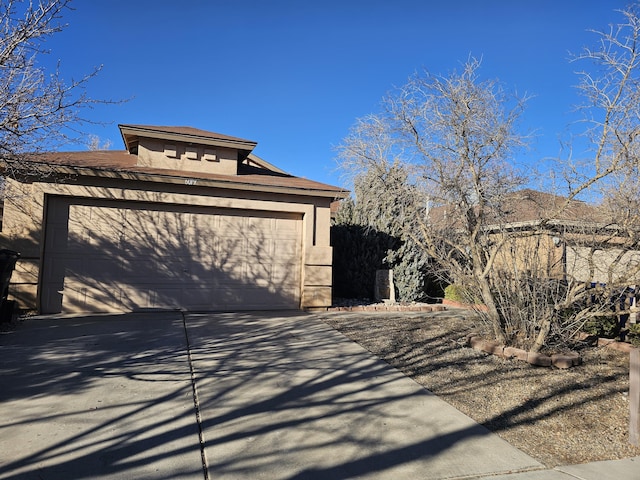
{"x":185,"y":149}
{"x":188,"y":157}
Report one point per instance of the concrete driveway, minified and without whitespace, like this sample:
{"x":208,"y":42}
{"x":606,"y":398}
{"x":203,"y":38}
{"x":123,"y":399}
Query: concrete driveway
{"x":224,"y":396}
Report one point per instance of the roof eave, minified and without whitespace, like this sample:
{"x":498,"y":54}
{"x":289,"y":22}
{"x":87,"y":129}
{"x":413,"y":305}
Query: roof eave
{"x":130,"y":133}
{"x":551,"y":224}
{"x":200,"y":182}
{"x":264,"y":164}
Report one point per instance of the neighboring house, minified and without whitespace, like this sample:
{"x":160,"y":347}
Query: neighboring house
{"x":575,"y":240}
{"x":558,"y":238}
{"x":183,"y":218}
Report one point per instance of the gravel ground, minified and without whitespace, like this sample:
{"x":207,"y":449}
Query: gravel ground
{"x":559,"y":417}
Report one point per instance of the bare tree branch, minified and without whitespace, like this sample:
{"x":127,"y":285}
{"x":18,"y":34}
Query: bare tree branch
{"x":543,"y":265}
{"x":39,"y":110}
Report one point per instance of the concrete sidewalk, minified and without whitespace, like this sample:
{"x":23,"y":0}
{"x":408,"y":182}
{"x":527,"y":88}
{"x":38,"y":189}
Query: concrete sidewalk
{"x":627,"y":469}
{"x":278,"y":396}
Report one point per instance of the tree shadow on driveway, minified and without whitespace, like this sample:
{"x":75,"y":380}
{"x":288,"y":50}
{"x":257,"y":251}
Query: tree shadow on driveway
{"x":98,"y":397}
{"x":278,"y":395}
{"x":286,"y":396}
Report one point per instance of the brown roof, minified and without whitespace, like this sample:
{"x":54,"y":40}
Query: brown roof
{"x":122,"y":164}
{"x":132,"y":133}
{"x":188,"y":131}
{"x":528,"y":206}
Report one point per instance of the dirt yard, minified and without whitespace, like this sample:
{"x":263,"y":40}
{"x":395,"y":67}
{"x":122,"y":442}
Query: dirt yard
{"x":557,"y":416}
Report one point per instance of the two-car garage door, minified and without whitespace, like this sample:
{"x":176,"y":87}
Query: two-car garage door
{"x":112,"y":256}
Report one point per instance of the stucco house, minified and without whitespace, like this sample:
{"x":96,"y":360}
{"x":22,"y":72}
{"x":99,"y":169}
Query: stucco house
{"x":182,"y":218}
{"x":580,"y":242}
{"x":554,"y":237}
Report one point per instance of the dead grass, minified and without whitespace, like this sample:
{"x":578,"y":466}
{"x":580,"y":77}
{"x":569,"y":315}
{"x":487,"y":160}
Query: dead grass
{"x":557,"y":416}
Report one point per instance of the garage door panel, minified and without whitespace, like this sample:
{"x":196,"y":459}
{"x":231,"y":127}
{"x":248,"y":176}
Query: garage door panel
{"x":122,"y":256}
{"x":262,"y":249}
{"x":229,"y":230}
{"x":287,"y":294}
{"x":284,"y":274}
{"x":199,"y":298}
{"x":260,"y":297}
{"x":162,"y":297}
{"x":79,"y":297}
{"x":140,"y":269}
{"x":288,"y":228}
{"x":104,"y":222}
{"x":230,"y":281}
{"x":259,"y":274}
{"x":90,"y":244}
{"x":135,"y":297}
{"x":74,"y":266}
{"x":288,"y":249}
{"x":228,"y":295}
{"x":260,"y":226}
{"x":251,"y":298}
{"x":231,"y":246}
{"x":218,"y":276}
{"x":100,"y":267}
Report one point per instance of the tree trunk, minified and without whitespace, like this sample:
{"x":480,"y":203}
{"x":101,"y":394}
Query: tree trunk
{"x":492,"y":312}
{"x":541,"y":339}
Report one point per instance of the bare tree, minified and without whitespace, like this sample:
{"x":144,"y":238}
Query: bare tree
{"x":458,"y":136}
{"x":38,"y":109}
{"x":95,"y":143}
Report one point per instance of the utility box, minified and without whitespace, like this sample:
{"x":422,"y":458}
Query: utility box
{"x":384,"y":289}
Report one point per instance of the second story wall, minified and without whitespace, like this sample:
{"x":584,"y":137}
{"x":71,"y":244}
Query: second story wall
{"x":157,"y":153}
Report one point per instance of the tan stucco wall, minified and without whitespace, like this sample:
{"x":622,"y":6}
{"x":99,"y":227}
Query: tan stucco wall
{"x":530,"y":253}
{"x":567,"y":258}
{"x":196,"y":158}
{"x":612,"y":266}
{"x":23,"y":225}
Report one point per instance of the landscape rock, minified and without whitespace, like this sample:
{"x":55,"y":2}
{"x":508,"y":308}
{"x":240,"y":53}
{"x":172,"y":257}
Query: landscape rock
{"x":513,"y":352}
{"x":565,"y":360}
{"x":538,"y":359}
{"x":603,"y":342}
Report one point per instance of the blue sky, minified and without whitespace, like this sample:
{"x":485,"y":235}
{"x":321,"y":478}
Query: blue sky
{"x":294,"y":75}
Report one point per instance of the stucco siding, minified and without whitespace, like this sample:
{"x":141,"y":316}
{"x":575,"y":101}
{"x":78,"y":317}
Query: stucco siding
{"x":197,"y":158}
{"x":603,"y":266}
{"x":24,"y":224}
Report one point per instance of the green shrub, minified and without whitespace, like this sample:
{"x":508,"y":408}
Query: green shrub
{"x":358,"y":251}
{"x":455,"y":293}
{"x":370,"y":232}
{"x":601,"y":326}
{"x":634,"y":334}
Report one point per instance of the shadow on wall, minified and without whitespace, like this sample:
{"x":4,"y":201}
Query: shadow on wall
{"x":108,"y":256}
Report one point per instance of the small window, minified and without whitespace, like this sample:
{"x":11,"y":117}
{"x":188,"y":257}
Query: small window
{"x":171,"y":151}
{"x":191,"y":153}
{"x":211,"y":155}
